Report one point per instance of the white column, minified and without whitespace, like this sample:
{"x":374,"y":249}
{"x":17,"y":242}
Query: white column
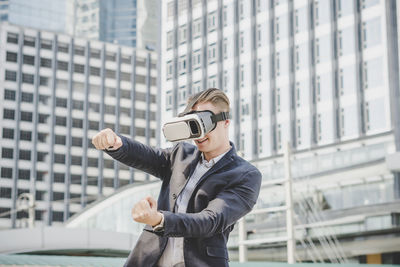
{"x":242,"y":238}
{"x":291,"y":242}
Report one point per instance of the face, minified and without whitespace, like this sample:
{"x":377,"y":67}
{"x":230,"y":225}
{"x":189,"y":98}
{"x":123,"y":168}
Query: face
{"x":216,"y":140}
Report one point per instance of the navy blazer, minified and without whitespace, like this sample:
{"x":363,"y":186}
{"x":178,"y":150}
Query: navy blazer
{"x":224,"y":194}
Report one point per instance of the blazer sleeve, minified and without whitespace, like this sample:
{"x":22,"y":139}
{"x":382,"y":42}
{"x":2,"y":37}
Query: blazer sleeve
{"x":154,"y":161}
{"x":223,"y":211}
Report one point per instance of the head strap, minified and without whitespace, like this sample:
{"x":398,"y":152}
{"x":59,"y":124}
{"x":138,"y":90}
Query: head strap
{"x":222,"y":116}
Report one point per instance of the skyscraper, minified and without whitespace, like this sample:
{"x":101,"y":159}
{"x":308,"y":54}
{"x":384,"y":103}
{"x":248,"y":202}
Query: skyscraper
{"x":56,"y":92}
{"x":320,"y":74}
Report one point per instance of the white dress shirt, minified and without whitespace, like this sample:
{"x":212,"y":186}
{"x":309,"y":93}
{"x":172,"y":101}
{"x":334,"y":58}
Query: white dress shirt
{"x":173,"y":253}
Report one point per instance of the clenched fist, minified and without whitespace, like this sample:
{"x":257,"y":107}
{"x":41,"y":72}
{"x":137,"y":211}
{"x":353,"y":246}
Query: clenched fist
{"x":107,"y":139}
{"x":145,"y":211}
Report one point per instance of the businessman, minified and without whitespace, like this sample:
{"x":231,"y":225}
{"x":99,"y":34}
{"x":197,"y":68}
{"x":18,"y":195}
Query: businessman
{"x":205,"y":189}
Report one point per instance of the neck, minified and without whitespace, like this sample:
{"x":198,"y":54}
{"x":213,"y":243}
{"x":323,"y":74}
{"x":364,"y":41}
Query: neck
{"x":215,"y":153}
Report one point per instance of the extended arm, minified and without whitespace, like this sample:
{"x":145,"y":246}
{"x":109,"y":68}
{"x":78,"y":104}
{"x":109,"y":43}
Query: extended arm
{"x":134,"y":154}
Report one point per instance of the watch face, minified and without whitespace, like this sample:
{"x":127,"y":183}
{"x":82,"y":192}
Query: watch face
{"x":158,"y":228}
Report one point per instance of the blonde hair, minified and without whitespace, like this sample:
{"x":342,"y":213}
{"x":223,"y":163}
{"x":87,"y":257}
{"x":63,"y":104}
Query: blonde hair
{"x":213,"y":95}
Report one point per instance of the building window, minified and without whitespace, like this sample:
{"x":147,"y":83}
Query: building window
{"x":7,"y":153}
{"x":61,"y":121}
{"x":59,"y":158}
{"x":79,"y":50}
{"x":41,"y":156}
{"x":212,"y":53}
{"x":43,"y":118}
{"x":24,"y":174}
{"x":95,"y":107}
{"x":94,"y":125}
{"x":278,"y":100}
{"x":259,"y":70}
{"x":6,"y":172}
{"x":61,"y":102}
{"x":182,"y":34}
{"x":77,"y":104}
{"x":26,"y":97}
{"x":59,"y":177}
{"x":369,"y":3}
{"x":196,"y":28}
{"x":9,"y":114}
{"x":27,"y":78}
{"x":11,"y":75}
{"x":373,"y":76}
{"x":109,"y":109}
{"x":168,"y":100}
{"x":60,"y":139}
{"x":212,"y":81}
{"x":110,"y":56}
{"x":9,"y":94}
{"x":77,"y":141}
{"x":25,"y":135}
{"x":8,"y":133}
{"x":95,"y":71}
{"x":12,"y":38}
{"x":26,"y":116}
{"x":29,"y":60}
{"x":78,"y":68}
{"x":182,"y":96}
{"x":196,"y":87}
{"x":196,"y":59}
{"x":371,"y":32}
{"x":62,"y":65}
{"x":169,"y":69}
{"x":29,"y":41}
{"x":212,"y":22}
{"x":301,"y":20}
{"x":41,"y":137}
{"x":95,"y":53}
{"x":45,"y":62}
{"x":75,"y":160}
{"x":182,"y":65}
{"x":77,"y":123}
{"x":25,"y":154}
{"x":58,"y":216}
{"x":5,"y":193}
{"x":260,"y":143}
{"x":241,"y":42}
{"x":11,"y":57}
{"x":46,"y":44}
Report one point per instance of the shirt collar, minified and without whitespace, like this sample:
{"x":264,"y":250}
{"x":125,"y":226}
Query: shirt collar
{"x":211,"y":162}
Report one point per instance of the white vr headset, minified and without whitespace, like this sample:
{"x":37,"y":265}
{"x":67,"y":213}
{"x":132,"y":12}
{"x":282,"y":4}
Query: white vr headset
{"x":192,"y":125}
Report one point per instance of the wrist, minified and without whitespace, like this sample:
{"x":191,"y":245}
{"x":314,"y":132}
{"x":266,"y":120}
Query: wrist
{"x":160,"y":223}
{"x":159,"y":219}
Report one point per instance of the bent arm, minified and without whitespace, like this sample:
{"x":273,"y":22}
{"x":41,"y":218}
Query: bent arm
{"x":223,"y":211}
{"x":145,"y":158}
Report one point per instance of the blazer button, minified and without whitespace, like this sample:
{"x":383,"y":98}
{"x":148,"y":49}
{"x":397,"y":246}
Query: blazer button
{"x":174,"y":196}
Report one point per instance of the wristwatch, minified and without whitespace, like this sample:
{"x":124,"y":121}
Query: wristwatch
{"x":159,"y":227}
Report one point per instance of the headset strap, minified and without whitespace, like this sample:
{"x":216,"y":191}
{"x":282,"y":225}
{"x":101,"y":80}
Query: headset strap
{"x":220,"y":117}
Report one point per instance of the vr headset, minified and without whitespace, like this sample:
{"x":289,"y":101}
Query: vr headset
{"x":192,"y":125}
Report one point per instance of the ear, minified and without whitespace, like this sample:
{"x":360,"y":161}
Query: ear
{"x":227,"y":123}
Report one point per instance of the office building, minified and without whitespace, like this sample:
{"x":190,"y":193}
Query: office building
{"x":320,"y":74}
{"x":56,"y":93}
{"x":123,"y":22}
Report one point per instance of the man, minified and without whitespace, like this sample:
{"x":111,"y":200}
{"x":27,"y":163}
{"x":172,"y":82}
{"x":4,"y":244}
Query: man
{"x":205,"y":189}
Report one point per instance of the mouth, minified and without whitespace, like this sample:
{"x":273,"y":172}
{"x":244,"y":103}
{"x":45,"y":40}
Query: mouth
{"x":200,"y":141}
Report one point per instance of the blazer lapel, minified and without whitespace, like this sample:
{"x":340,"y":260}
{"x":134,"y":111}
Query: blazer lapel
{"x":221,"y":163}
